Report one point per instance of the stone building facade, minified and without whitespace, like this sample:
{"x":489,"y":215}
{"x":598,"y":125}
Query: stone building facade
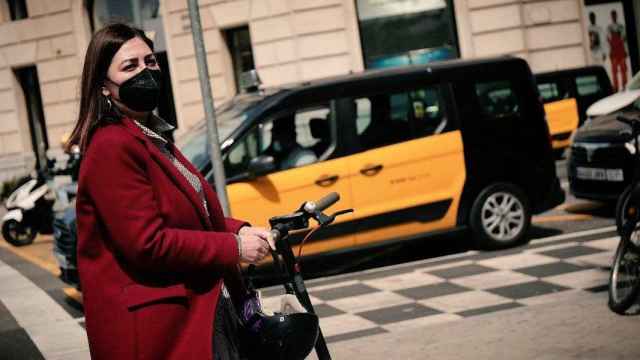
{"x":286,"y":41}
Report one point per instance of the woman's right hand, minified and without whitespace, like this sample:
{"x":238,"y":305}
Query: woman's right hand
{"x":252,"y":248}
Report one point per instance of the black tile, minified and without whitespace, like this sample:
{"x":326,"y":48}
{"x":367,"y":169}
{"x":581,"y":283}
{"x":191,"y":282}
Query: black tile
{"x":431,"y":291}
{"x":16,"y":345}
{"x":597,"y":289}
{"x":556,"y":268}
{"x":7,"y":321}
{"x":324,"y":310}
{"x":398,"y":313}
{"x":461,"y":271}
{"x":343,"y":291}
{"x":10,"y":258}
{"x":69,"y":305}
{"x":355,"y":334}
{"x":525,"y":290}
{"x":40,"y":277}
{"x":490,"y":309}
{"x":572,"y":251}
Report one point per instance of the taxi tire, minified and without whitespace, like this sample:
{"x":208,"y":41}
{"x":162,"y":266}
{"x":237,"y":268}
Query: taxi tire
{"x":484,"y":240}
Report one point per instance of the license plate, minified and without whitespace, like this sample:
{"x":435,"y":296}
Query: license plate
{"x":586,"y":173}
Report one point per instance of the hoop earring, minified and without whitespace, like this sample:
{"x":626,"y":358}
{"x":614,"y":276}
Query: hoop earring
{"x":109,"y":104}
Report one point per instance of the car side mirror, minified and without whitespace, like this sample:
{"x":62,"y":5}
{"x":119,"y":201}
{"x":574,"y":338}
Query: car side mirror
{"x":261,"y":165}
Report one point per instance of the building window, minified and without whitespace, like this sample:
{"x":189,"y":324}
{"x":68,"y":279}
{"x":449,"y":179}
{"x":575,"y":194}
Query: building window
{"x":401,"y":32}
{"x":28,"y":79}
{"x":239,"y":44}
{"x":17,"y":9}
{"x":134,"y":12}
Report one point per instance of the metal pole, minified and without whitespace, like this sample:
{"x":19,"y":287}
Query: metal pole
{"x":209,"y":110}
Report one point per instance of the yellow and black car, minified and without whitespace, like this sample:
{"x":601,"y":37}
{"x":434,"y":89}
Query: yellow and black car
{"x":566,"y":95}
{"x":458,"y":145}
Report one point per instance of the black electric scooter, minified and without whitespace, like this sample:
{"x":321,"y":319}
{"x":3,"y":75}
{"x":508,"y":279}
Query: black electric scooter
{"x":286,"y":263}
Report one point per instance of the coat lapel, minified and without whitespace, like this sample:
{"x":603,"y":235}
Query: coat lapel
{"x":215,"y":210}
{"x":170,"y":169}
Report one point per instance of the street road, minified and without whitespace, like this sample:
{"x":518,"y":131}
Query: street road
{"x":435,"y":298}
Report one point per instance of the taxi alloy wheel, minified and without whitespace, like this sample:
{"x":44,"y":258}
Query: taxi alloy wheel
{"x":500,"y":216}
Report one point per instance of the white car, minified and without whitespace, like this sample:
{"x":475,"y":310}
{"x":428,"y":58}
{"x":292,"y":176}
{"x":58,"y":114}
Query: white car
{"x":617,"y":101}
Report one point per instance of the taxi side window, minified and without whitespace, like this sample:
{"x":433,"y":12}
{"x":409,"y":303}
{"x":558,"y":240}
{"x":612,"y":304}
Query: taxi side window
{"x":551,"y":92}
{"x":497,"y":99}
{"x":293,"y":139}
{"x":587,"y":85}
{"x":387,"y":119}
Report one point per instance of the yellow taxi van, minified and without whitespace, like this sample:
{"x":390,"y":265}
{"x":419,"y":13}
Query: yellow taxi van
{"x":457,"y":145}
{"x":566,"y":95}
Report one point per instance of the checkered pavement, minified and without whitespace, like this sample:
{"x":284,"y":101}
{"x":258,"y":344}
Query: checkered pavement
{"x":428,"y":293}
{"x":350,"y":306}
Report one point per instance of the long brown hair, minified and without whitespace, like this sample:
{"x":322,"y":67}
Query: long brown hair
{"x":94,"y":108}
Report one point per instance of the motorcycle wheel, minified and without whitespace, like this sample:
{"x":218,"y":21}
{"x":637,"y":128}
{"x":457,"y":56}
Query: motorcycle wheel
{"x":17,"y":234}
{"x":624,"y":281}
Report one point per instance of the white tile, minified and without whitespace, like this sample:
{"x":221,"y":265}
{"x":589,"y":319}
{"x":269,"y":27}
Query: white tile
{"x":403,"y":281}
{"x":464,"y":301}
{"x":59,"y":340}
{"x":422,"y":322}
{"x":340,"y":324}
{"x":550,"y":298}
{"x":446,"y":266}
{"x":493,"y":279}
{"x":601,"y":260}
{"x":517,"y":261}
{"x":52,"y":329}
{"x":580,"y":279}
{"x":338,"y":283}
{"x":371,"y":301}
{"x":551,"y":247}
{"x":604,"y":244}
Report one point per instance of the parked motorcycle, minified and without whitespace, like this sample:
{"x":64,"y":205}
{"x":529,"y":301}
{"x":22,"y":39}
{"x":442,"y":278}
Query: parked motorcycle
{"x":29,"y":209}
{"x":30,"y":206}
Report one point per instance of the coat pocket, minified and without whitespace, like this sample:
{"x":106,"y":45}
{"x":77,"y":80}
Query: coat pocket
{"x":160,"y":316}
{"x":137,"y":295}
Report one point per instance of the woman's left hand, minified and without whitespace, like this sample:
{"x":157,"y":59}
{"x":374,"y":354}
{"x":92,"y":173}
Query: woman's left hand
{"x":260,"y":232}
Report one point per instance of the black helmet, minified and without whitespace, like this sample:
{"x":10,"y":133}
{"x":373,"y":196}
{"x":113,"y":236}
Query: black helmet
{"x":282,"y":336}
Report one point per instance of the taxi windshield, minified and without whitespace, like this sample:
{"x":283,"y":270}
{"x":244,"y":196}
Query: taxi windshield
{"x":228,"y":117}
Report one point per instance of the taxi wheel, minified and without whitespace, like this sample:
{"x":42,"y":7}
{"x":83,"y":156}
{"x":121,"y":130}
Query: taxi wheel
{"x":500,"y":216}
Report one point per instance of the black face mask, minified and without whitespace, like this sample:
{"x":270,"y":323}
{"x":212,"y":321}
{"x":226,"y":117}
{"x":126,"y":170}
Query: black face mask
{"x":141,"y":92}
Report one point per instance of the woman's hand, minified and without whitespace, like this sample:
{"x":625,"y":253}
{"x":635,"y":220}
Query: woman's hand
{"x":256,"y":231}
{"x":253,"y":244}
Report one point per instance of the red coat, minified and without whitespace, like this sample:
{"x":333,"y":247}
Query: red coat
{"x":150,"y":259}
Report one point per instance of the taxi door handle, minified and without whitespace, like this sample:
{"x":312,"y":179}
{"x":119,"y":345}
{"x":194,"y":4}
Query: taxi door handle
{"x":327,"y":180}
{"x":370,"y":170}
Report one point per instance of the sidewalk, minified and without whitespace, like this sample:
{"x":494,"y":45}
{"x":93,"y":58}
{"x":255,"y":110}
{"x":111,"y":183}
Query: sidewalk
{"x":546,"y":300}
{"x":577,"y":327}
{"x":35,"y":323}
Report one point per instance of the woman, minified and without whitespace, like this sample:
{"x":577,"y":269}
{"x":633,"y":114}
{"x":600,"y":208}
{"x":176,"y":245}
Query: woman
{"x":153,"y":245}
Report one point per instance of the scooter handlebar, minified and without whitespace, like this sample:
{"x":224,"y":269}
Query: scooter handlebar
{"x":322,"y":204}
